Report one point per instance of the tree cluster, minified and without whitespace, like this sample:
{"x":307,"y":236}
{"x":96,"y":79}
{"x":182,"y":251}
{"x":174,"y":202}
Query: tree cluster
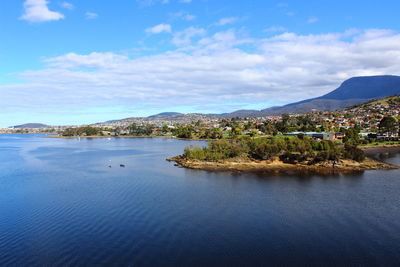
{"x":81,"y":131}
{"x":289,"y":150}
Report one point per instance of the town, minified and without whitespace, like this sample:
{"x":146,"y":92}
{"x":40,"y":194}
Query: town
{"x":374,"y":121}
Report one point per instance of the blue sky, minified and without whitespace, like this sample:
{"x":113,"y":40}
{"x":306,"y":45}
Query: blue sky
{"x":76,"y":62}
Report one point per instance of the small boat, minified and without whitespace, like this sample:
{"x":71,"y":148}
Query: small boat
{"x":122,"y":165}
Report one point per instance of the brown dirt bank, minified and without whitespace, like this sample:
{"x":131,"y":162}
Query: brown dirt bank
{"x":381,"y":149}
{"x":278,"y":167}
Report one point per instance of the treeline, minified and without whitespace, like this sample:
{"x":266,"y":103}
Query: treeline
{"x":138,"y":130}
{"x":290,"y":150}
{"x":197,"y":132}
{"x":81,"y":131}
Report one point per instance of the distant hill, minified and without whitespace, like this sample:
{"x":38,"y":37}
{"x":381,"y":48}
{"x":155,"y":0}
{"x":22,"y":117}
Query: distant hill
{"x":351,"y":92}
{"x":164,"y":114}
{"x":31,"y":126}
{"x":240,"y":113}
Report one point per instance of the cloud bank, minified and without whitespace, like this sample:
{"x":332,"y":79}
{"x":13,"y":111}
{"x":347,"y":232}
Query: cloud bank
{"x":205,"y":71}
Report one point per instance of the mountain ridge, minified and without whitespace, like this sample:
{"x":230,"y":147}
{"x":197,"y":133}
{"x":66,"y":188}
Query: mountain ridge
{"x":353,"y":91}
{"x":31,"y":126}
{"x":164,"y":114}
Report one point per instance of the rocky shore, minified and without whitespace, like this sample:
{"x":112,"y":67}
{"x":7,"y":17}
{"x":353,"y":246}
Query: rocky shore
{"x":279,"y":167}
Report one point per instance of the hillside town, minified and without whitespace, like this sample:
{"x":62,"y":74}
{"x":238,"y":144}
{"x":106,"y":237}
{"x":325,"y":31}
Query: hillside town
{"x":375,"y":120}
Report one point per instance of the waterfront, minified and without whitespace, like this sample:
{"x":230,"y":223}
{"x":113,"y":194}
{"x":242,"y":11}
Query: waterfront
{"x":61,"y":204}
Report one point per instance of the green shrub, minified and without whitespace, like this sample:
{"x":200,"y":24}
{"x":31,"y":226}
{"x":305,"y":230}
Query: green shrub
{"x":354,"y":153}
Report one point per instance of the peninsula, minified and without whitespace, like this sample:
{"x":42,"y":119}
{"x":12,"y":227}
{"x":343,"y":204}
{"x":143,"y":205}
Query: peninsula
{"x":290,"y":155}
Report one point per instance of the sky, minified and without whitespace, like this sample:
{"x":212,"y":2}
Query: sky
{"x":79,"y":62}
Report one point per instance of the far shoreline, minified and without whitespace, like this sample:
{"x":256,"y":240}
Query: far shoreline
{"x":129,"y":136}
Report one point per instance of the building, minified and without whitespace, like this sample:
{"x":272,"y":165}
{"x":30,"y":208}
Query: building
{"x":315,"y":135}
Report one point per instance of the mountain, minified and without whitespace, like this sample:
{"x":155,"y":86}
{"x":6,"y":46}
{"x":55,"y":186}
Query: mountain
{"x":351,"y":92}
{"x":240,"y":113}
{"x":31,"y":126}
{"x":164,"y":114}
{"x":368,"y":87}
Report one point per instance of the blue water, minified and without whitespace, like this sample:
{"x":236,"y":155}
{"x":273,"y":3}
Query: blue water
{"x":61,"y":204}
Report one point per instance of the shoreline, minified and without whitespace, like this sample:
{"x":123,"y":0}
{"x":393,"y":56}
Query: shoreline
{"x":279,"y":167}
{"x":100,"y":136}
{"x":395,"y":147}
{"x":130,"y":136}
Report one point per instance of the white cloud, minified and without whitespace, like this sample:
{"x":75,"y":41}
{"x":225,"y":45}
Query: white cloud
{"x":160,"y":28}
{"x":93,"y":60}
{"x":225,"y":21}
{"x":186,"y":1}
{"x":209,"y":71}
{"x":38,"y":11}
{"x":312,"y":20}
{"x":184,"y":37}
{"x":183,"y":15}
{"x":91,"y":15}
{"x":67,"y":5}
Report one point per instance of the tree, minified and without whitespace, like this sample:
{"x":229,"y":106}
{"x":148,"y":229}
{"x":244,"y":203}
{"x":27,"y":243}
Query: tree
{"x":183,"y":132}
{"x":235,"y":131}
{"x":69,"y":132}
{"x":165,"y":128}
{"x":353,"y":152}
{"x":352,"y":136}
{"x":216,"y":133}
{"x":388,"y":125}
{"x":148,"y":130}
{"x":285,"y":118}
{"x":133,"y":129}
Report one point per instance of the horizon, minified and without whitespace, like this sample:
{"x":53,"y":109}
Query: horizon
{"x":74,"y":63}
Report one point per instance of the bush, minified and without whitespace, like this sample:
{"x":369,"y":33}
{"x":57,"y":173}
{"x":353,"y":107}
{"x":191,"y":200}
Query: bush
{"x":292,"y":157}
{"x":194,"y":152}
{"x":354,"y":153}
{"x":265,"y":151}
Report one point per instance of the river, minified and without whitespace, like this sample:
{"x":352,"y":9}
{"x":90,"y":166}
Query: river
{"x":69,"y":202}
